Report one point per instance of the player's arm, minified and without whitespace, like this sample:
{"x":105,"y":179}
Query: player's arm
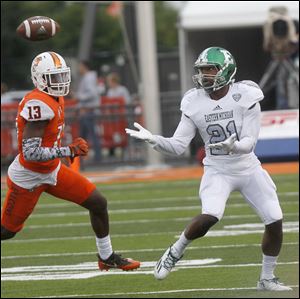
{"x":34,"y":151}
{"x":178,"y":143}
{"x":174,"y":145}
{"x":250,"y":131}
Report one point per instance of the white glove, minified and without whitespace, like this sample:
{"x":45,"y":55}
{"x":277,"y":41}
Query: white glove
{"x":226,"y":145}
{"x":142,"y":134}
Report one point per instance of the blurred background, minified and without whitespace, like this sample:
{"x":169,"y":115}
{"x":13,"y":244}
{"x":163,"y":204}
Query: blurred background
{"x":142,"y":53}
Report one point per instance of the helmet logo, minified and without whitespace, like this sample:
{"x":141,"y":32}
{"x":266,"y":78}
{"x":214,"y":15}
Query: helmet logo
{"x":37,"y":61}
{"x":227,"y":56}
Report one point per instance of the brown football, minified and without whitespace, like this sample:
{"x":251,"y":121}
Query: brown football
{"x":38,"y":28}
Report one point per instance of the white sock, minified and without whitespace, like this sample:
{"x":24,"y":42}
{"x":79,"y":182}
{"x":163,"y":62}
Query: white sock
{"x":179,"y":246}
{"x":268,"y":266}
{"x":104,"y":247}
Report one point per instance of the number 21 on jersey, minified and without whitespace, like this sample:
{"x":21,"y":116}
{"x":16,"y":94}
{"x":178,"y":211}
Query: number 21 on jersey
{"x":218,"y":134}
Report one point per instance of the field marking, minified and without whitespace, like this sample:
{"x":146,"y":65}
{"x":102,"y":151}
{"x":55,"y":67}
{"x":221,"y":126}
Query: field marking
{"x":62,"y":272}
{"x":137,"y":250}
{"x":158,"y":292}
{"x":93,"y":266}
{"x":289,"y":224}
{"x":143,"y":210}
{"x":213,"y":233}
{"x":150,"y":200}
{"x":85,"y":270}
{"x":114,"y":222}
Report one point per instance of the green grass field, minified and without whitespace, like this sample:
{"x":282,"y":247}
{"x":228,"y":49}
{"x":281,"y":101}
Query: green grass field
{"x":55,"y":254}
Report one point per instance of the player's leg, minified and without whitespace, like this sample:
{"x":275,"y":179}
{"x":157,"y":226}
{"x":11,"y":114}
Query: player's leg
{"x":74,"y":187}
{"x":17,"y":207}
{"x":214,"y":192}
{"x":260,"y":192}
{"x":97,"y":206}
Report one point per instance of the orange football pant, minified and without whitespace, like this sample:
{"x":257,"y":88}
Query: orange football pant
{"x":19,"y":202}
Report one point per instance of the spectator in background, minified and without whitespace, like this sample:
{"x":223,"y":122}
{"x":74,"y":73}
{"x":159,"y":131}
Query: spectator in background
{"x":88,"y":97}
{"x":116,"y":90}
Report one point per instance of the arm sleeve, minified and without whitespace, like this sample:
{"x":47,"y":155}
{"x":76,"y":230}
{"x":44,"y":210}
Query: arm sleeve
{"x":32,"y":151}
{"x":182,"y":137}
{"x":250,"y":131}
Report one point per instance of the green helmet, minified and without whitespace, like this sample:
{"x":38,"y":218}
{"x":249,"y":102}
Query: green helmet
{"x":224,"y":63}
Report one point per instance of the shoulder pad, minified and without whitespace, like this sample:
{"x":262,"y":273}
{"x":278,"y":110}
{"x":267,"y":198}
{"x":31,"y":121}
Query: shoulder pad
{"x":247,"y":93}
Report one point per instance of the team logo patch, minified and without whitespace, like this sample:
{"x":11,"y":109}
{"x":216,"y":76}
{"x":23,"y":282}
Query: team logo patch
{"x":236,"y":96}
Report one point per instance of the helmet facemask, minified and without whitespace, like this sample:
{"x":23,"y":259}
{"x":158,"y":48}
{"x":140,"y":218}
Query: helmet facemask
{"x":58,"y":83}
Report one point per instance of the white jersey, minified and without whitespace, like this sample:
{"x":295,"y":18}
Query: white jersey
{"x":237,"y":112}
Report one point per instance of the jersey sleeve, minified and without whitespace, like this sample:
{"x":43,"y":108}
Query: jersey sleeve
{"x":36,"y":110}
{"x":182,"y":137}
{"x":250,"y":131}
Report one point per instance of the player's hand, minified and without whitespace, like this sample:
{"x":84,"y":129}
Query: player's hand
{"x":79,"y":147}
{"x":226,"y":145}
{"x":142,"y":133}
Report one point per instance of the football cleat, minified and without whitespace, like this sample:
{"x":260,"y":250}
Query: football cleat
{"x":271,"y":285}
{"x":165,"y":264}
{"x":117,"y":262}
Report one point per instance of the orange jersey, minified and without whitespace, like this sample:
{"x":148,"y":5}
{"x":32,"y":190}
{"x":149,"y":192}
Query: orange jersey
{"x":39,"y":106}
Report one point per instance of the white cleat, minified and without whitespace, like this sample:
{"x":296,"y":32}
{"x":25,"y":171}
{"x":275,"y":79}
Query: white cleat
{"x":165,"y":264}
{"x":271,"y":285}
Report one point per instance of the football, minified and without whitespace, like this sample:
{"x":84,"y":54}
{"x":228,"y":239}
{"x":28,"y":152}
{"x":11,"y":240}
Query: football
{"x":38,"y":28}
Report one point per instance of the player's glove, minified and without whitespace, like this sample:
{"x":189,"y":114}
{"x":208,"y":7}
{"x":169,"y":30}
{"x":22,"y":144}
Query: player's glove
{"x":226,"y":145}
{"x":79,"y":147}
{"x":142,"y":133}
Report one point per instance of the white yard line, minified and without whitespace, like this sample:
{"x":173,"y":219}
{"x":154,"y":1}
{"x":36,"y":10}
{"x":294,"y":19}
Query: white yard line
{"x":158,"y":292}
{"x":83,"y":224}
{"x":287,"y":224}
{"x":62,"y":204}
{"x":139,"y":250}
{"x":90,"y":270}
{"x":151,"y":210}
{"x":93,"y":266}
{"x":212,"y":233}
